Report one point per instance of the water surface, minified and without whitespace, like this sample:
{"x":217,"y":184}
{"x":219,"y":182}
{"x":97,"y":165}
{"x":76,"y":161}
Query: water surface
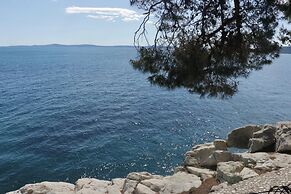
{"x":71,"y":112}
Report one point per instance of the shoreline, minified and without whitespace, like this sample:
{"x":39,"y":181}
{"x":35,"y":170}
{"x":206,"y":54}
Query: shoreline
{"x":208,"y":167}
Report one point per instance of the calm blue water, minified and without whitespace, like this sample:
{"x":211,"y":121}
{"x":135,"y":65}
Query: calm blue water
{"x":70,"y":112}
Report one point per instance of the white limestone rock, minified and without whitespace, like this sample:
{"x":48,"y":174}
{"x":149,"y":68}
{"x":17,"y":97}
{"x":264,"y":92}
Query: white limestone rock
{"x":283,"y":124}
{"x":142,"y":189}
{"x":229,"y":172}
{"x":91,"y":186}
{"x":247,"y":173}
{"x":181,"y":183}
{"x":222,"y":156}
{"x":203,"y":173}
{"x":240,"y":137}
{"x":154,"y":184}
{"x":265,"y":162}
{"x":200,"y":155}
{"x":263,"y":139}
{"x":179,"y":169}
{"x":46,"y":188}
{"x":283,"y":139}
{"x":190,"y":161}
{"x":139,"y":176}
{"x":116,"y":186}
{"x":129,"y":186}
{"x":208,"y":155}
{"x":220,"y":144}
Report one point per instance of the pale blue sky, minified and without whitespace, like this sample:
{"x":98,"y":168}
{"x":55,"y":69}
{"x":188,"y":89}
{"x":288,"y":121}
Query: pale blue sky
{"x":99,"y":22}
{"x":28,"y":22}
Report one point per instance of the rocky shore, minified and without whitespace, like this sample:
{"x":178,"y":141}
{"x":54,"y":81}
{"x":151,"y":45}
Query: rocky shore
{"x":207,"y":168}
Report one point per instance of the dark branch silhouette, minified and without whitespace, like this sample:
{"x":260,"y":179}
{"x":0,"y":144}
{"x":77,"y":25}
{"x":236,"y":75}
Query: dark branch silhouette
{"x":205,"y":45}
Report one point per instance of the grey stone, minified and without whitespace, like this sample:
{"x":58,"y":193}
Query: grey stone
{"x":154,"y":184}
{"x":282,"y":124}
{"x":181,"y":183}
{"x":191,"y":161}
{"x":91,"y":186}
{"x":283,"y":139}
{"x":139,"y":176}
{"x":263,"y":140}
{"x":129,"y":186}
{"x":142,"y":189}
{"x":46,"y":188}
{"x":222,"y":156}
{"x":265,"y":162}
{"x":201,"y":172}
{"x":229,"y":172}
{"x":200,"y":155}
{"x":240,"y":137}
{"x":116,"y":187}
{"x":179,"y":169}
{"x":220,"y":144}
{"x":247,"y":173}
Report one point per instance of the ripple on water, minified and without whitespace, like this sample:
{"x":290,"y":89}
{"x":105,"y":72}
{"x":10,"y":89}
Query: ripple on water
{"x":72,"y":112}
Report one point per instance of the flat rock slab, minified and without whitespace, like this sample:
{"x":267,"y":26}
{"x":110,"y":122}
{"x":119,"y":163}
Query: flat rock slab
{"x":264,"y":161}
{"x":260,"y":183}
{"x":181,"y":183}
{"x":46,"y":188}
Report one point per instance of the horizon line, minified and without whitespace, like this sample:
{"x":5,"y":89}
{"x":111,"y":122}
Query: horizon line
{"x":56,"y":44}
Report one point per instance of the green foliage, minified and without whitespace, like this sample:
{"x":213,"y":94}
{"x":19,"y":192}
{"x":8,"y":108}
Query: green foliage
{"x":205,"y":45}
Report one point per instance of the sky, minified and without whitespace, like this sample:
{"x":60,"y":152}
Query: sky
{"x":98,"y":22}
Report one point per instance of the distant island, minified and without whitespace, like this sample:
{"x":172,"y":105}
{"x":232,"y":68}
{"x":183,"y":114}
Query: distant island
{"x":65,"y":45}
{"x":284,"y":50}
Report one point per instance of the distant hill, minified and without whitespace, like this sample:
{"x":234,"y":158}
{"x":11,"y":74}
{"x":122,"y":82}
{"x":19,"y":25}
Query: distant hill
{"x":63,"y":45}
{"x":286,"y":50}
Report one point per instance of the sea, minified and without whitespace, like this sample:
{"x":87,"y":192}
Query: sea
{"x":68,"y":112}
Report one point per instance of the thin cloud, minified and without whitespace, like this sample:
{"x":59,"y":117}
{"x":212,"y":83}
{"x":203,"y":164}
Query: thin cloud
{"x":106,"y":13}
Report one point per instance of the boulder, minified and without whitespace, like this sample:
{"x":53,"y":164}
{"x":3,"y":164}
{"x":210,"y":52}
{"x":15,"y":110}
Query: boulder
{"x":133,"y":180}
{"x":139,"y":176}
{"x":46,"y":188}
{"x":201,"y":172}
{"x":264,"y":139}
{"x":222,"y":156}
{"x":265,"y":162}
{"x":283,"y":139}
{"x":208,"y":155}
{"x":190,"y":159}
{"x":119,"y":182}
{"x":247,"y":173}
{"x":240,"y":137}
{"x":142,"y":189}
{"x":181,"y":183}
{"x":283,"y":124}
{"x":275,"y":162}
{"x":203,"y":151}
{"x":89,"y":185}
{"x":220,"y":144}
{"x":154,"y":184}
{"x":129,"y":186}
{"x":179,"y":169}
{"x":251,"y":159}
{"x":199,"y":155}
{"x":116,"y":187}
{"x":216,"y":157}
{"x":229,"y":172}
